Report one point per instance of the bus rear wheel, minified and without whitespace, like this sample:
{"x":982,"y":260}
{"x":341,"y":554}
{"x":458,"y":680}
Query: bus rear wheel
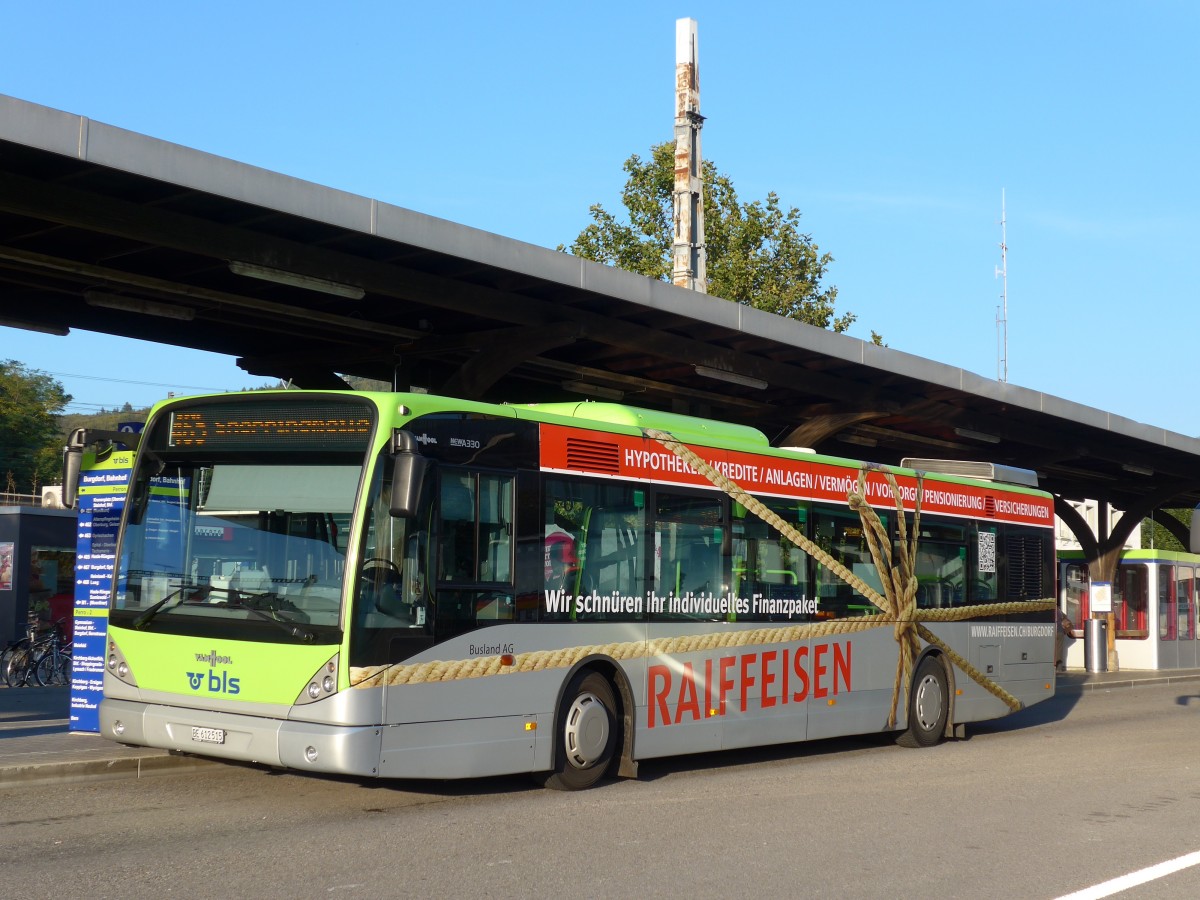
{"x":928,"y":706}
{"x":587,"y":733}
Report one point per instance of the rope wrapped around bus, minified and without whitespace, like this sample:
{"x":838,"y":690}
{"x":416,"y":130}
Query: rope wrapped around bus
{"x":897,"y":605}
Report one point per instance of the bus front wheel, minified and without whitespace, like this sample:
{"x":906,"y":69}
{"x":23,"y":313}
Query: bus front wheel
{"x":928,"y":706}
{"x":587,"y":733}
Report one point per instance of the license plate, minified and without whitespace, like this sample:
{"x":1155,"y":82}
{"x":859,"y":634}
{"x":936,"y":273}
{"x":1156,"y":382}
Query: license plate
{"x":208,"y":735}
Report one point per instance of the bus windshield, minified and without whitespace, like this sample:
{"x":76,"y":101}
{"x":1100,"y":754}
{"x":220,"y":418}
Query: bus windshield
{"x":237,"y":539}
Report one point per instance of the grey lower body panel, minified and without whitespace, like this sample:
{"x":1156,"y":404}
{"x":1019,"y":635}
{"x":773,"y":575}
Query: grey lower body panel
{"x":309,"y":746}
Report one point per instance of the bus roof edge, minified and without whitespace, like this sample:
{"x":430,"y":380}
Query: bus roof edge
{"x":984,"y":471}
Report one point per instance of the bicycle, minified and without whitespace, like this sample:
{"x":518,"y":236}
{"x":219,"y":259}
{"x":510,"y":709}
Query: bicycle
{"x":14,"y":663}
{"x":50,"y":662}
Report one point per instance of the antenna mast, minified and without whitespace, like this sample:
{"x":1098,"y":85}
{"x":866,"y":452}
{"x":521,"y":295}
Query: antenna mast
{"x":1002,"y":311}
{"x":688,"y":263}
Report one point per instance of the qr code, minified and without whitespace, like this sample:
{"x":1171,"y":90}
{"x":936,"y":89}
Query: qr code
{"x":987,"y":552}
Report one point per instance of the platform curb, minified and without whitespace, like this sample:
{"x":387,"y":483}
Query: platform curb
{"x":1108,"y":681}
{"x":72,"y":771}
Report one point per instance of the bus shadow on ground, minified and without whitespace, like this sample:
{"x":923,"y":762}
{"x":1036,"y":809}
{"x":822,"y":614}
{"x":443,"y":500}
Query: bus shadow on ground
{"x":648,"y":770}
{"x":657,"y":769}
{"x":1039,"y":715}
{"x":652,"y":770}
{"x":1046,"y":713}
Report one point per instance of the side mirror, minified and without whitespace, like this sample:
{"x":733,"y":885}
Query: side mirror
{"x":408,"y":475}
{"x":73,"y":456}
{"x":72,"y":463}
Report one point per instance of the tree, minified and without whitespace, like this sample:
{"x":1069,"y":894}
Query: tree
{"x":757,"y":254}
{"x":1155,"y":536}
{"x":30,"y":444}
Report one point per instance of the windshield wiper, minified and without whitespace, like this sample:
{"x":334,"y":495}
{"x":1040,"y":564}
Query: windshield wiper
{"x":144,"y":619}
{"x":271,"y":614}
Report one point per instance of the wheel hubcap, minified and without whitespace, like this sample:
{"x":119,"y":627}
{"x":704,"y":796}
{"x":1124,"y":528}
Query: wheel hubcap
{"x":586,"y":733}
{"x":927,"y":703}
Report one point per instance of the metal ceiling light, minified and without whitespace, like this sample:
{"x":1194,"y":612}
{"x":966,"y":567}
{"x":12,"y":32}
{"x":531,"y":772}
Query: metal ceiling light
{"x":731,"y":377}
{"x":40,"y":327}
{"x":977,"y":435}
{"x":139,"y":305}
{"x":1137,"y":470}
{"x":294,"y":279}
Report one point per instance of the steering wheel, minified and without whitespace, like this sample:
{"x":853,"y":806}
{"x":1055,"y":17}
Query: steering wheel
{"x":380,"y":579}
{"x":379,"y":571}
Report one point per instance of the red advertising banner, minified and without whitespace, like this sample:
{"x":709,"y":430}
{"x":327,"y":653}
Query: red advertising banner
{"x":578,"y":450}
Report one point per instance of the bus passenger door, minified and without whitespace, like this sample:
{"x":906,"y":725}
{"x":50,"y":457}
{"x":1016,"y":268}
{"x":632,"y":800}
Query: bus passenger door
{"x":474,"y":552}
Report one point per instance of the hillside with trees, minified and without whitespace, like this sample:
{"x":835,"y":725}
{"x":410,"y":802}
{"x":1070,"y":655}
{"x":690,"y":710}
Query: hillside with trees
{"x":30,"y":443}
{"x":106,"y":419}
{"x":34,"y":426}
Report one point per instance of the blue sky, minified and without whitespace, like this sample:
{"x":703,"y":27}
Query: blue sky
{"x":893,"y":127}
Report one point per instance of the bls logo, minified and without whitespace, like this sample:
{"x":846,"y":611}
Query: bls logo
{"x":218,"y":682}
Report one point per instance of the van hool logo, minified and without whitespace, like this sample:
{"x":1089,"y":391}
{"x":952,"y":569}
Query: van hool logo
{"x":424,"y":438}
{"x":215,"y":682}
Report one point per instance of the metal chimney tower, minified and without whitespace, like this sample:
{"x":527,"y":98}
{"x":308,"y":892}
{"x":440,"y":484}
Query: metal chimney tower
{"x":688,"y":268}
{"x":1002,"y":312}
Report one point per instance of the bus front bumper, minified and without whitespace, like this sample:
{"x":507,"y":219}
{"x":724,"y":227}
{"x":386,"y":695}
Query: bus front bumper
{"x":307,"y":746}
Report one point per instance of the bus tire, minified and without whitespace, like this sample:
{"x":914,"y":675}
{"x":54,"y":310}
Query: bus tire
{"x":586,"y":739}
{"x":928,"y":706}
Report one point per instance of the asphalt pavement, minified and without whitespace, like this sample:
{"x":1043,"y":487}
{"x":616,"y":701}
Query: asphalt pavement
{"x":38,"y":746}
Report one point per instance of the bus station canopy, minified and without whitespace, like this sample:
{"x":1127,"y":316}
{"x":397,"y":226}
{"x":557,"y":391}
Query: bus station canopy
{"x":107,"y":230}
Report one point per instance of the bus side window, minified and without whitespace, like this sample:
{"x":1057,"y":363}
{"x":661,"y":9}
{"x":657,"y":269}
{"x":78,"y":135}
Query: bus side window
{"x":611,"y":560}
{"x":561,"y":563}
{"x":941,"y":564}
{"x":593,"y":547}
{"x":699,"y":567}
{"x":770,"y":572}
{"x":495,"y":527}
{"x":840,"y":534}
{"x":688,"y":553}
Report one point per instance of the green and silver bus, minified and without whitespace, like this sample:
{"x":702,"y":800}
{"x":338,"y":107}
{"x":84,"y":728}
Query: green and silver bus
{"x":412,"y":586}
